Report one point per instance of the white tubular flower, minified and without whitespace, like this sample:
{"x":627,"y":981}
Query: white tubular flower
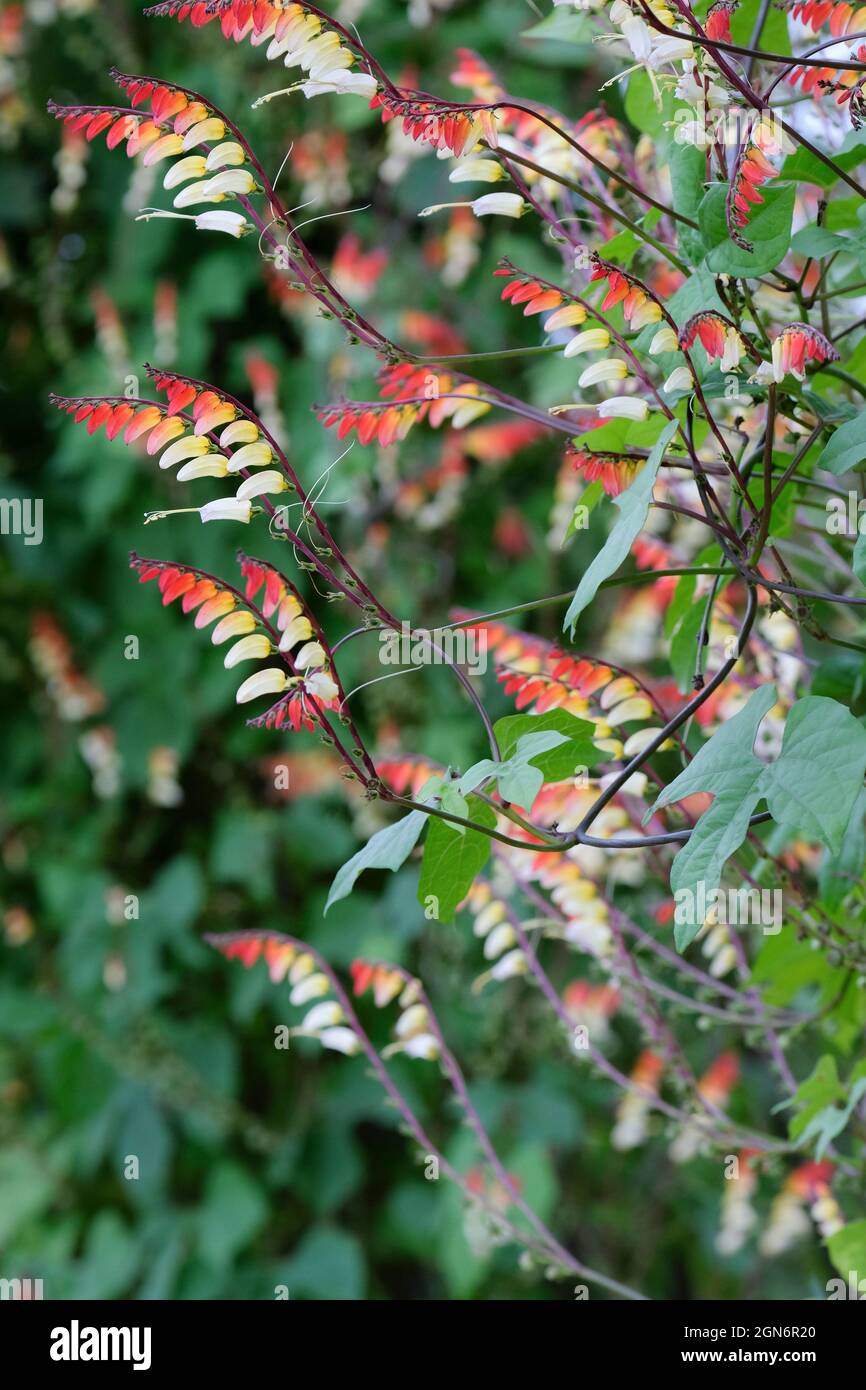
{"x":162,"y":148}
{"x":311,"y":655}
{"x":499,"y":205}
{"x":233,"y":625}
{"x":680,"y":379}
{"x":233,"y":223}
{"x":313,"y":987}
{"x":212,"y":128}
{"x":664,"y":341}
{"x":412,"y":1020}
{"x":648,"y":312}
{"x":499,"y":940}
{"x":193,"y":167}
{"x":506,"y":967}
{"x":623,"y":408}
{"x":271,"y":681}
{"x":670,"y":50}
{"x":300,"y":629}
{"x":489,"y":917}
{"x":226,"y":509}
{"x":251,"y":456}
{"x":252,"y":648}
{"x":210,"y":466}
{"x":732,"y":352}
{"x":190,"y":447}
{"x":230,"y":152}
{"x":591,"y":340}
{"x":238,"y":432}
{"x":360,"y":84}
{"x":323,"y":1016}
{"x":465,"y":414}
{"x":477,"y":171}
{"x":320,"y":685}
{"x":340,"y":1040}
{"x":215,"y":189}
{"x":691,"y":90}
{"x":566,"y":317}
{"x":269,"y":481}
{"x":423,"y":1046}
{"x":610,"y":369}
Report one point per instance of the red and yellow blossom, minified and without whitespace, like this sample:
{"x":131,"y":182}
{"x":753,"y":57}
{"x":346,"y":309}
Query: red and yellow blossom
{"x":292,"y":33}
{"x":415,"y":393}
{"x":633,"y":1112}
{"x":751,"y":171}
{"x":639,"y":305}
{"x":719,"y":338}
{"x":793,"y":348}
{"x":615,"y":472}
{"x":717,"y":24}
{"x":211,"y":167}
{"x":279,"y":628}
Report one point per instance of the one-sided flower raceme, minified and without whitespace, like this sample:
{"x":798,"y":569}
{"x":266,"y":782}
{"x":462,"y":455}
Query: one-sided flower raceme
{"x":290,"y":961}
{"x":717,"y":336}
{"x":412,"y":394}
{"x":796,"y":346}
{"x":292,"y":34}
{"x":414,"y":1036}
{"x":183,"y":128}
{"x":614,"y":471}
{"x":639,"y":308}
{"x":752,"y":170}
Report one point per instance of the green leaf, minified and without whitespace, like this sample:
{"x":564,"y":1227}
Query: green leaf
{"x":684,"y":646}
{"x":769,"y":231}
{"x":561,"y":762}
{"x":813,"y":785}
{"x":727,"y":767}
{"x":813,"y":1095}
{"x":452,"y":861}
{"x":847,"y":447}
{"x":810,"y":789}
{"x":841,"y":872}
{"x":687,"y":165}
{"x":518,"y":778}
{"x":233,"y":1211}
{"x":847,"y":1250}
{"x":327,"y":1265}
{"x":805,"y":167}
{"x":633,"y":506}
{"x":816,"y":242}
{"x":389,"y":848}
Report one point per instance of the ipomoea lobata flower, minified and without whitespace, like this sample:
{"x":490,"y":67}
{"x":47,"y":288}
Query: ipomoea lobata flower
{"x":320,"y":685}
{"x":343,"y":83}
{"x":209,"y":466}
{"x":340,"y":1040}
{"x":609,"y":369}
{"x":271,"y":481}
{"x":300,"y":629}
{"x":226,"y":509}
{"x":229,"y":183}
{"x":488,"y":205}
{"x":233,"y":625}
{"x":251,"y":456}
{"x":252,"y":648}
{"x":193,"y":167}
{"x":680,"y":379}
{"x":270,"y":681}
{"x":623,"y":408}
{"x":591,"y":340}
{"x":311,"y":987}
{"x":324,"y":1015}
{"x":229,"y":152}
{"x":665,"y":340}
{"x":477,"y":170}
{"x":311,"y":655}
